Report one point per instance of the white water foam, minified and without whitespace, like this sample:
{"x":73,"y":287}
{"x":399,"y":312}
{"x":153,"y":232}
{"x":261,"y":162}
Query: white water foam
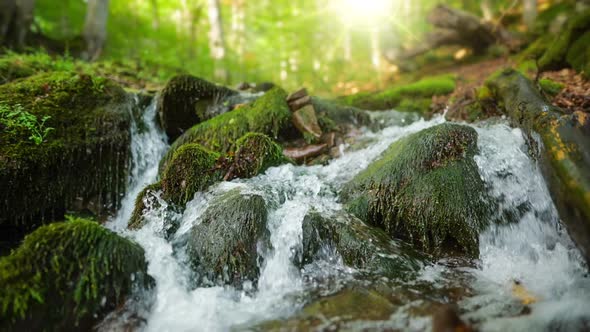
{"x":289,"y":191}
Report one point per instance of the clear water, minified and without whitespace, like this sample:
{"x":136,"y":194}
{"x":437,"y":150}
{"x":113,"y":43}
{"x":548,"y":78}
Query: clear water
{"x":533,"y":250}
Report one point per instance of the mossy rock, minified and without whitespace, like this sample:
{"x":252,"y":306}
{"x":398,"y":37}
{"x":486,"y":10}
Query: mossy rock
{"x":255,"y":153}
{"x":222,"y":248}
{"x":187,"y":100}
{"x":82,"y":164}
{"x":268,"y":115}
{"x":67,"y":276}
{"x":423,"y":89}
{"x":426,"y":190}
{"x":550,"y":87}
{"x":360,"y":246}
{"x":332,"y":114}
{"x":191,"y":169}
{"x":570,"y":47}
{"x":565,"y":156}
{"x":335,"y":312}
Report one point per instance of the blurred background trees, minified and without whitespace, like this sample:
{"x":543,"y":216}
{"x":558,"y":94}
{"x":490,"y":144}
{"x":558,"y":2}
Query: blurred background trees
{"x":335,"y":46}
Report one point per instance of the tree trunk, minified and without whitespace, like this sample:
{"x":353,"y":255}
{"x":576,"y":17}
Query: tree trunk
{"x":155,"y":15}
{"x":529,"y":13}
{"x":562,"y":141}
{"x":95,"y":27}
{"x":486,"y":9}
{"x":216,"y":42}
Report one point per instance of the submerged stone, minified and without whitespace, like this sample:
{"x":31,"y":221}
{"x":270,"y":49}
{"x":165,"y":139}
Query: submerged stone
{"x":187,"y":100}
{"x":68,"y":276}
{"x":81,"y":164}
{"x":223,"y":246}
{"x":360,"y":246}
{"x":426,"y":190}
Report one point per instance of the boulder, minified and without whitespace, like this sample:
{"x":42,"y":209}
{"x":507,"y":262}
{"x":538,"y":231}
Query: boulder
{"x":254,"y":154}
{"x":187,"y":100}
{"x":332,"y":114}
{"x":222,"y":247}
{"x":192,"y":168}
{"x":67,"y":276}
{"x":81,"y":162}
{"x":426,"y":189}
{"x":360,"y":246}
{"x":267,"y":115}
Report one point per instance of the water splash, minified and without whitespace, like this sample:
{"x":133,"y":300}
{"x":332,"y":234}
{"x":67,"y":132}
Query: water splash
{"x":148,"y":145}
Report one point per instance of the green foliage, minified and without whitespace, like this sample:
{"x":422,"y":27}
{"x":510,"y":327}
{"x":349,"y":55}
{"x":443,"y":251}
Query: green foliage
{"x":16,"y":118}
{"x":68,"y":274}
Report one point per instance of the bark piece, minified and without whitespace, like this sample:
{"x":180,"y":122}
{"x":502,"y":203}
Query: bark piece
{"x":297,"y":94}
{"x":299,"y":103}
{"x":309,"y":151}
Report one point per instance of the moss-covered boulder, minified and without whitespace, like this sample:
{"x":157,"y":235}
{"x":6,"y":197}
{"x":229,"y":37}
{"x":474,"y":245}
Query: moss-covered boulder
{"x":187,"y":100}
{"x":254,"y":154}
{"x":222,"y":247}
{"x":412,"y":97}
{"x":570,"y":47}
{"x":268,"y":115}
{"x":360,"y":246}
{"x":67,"y":276}
{"x":80,"y":164}
{"x":565,"y":156}
{"x":336,"y":312}
{"x":191,"y":169}
{"x":426,"y":190}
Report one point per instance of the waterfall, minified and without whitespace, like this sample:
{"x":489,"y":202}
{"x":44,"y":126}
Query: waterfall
{"x":533,"y":250}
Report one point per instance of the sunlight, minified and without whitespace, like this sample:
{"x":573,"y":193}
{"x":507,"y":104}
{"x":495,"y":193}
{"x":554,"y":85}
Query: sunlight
{"x":363,"y":12}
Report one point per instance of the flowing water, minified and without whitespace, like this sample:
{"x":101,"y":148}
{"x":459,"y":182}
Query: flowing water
{"x":533,"y":251}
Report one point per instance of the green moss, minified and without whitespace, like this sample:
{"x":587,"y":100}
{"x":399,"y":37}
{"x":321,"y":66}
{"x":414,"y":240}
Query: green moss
{"x":255,"y":153}
{"x":388,"y":99}
{"x":425,"y":189}
{"x":85,"y":156}
{"x":14,"y":65}
{"x":67,"y":276}
{"x":267,"y":115}
{"x":556,"y":56}
{"x":420,"y":105}
{"x":192,"y":168}
{"x":550,"y":87}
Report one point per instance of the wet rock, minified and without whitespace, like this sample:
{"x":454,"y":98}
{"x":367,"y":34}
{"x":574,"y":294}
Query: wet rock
{"x":81,"y":164}
{"x":192,"y":168}
{"x":150,"y":205}
{"x":223,"y":246}
{"x":565,"y":152}
{"x":306,"y":122}
{"x":335,"y":312}
{"x":361,"y":246}
{"x":306,"y":152}
{"x":299,"y":103}
{"x":332,"y":114}
{"x":255,"y":153}
{"x":67,"y":276}
{"x":263,"y":87}
{"x":267,"y":115}
{"x":426,"y":189}
{"x":187,"y":100}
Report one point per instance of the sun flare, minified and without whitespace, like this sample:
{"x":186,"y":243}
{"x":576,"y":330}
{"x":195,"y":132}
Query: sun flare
{"x":363,"y":12}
